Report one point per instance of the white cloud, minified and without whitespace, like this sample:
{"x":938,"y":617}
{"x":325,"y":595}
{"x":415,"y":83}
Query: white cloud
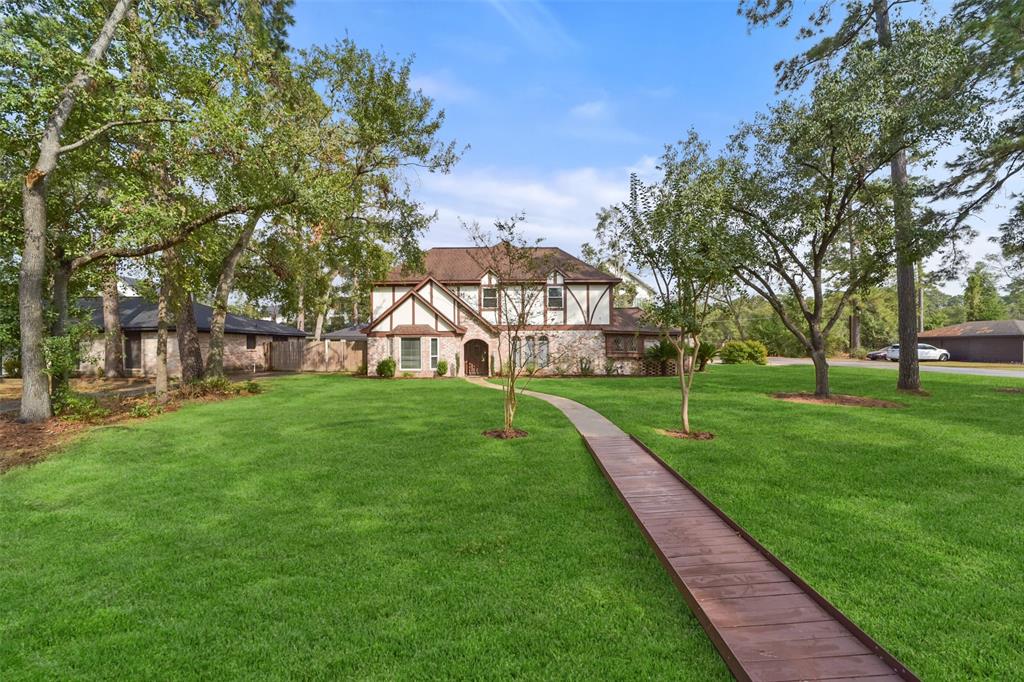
{"x":443,"y":85}
{"x":596,"y":120}
{"x":535,"y":25}
{"x":560,"y":206}
{"x":596,"y":110}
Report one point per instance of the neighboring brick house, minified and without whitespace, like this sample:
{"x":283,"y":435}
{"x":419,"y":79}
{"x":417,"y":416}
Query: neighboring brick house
{"x":245,"y":339}
{"x":451,"y":311}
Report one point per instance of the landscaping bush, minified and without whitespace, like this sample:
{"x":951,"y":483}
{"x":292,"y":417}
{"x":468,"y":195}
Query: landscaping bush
{"x":744,"y":353}
{"x":209,"y":386}
{"x":610,"y":368}
{"x":78,"y":407}
{"x":251,"y":386}
{"x":386,"y":368}
{"x":442,"y":367}
{"x":361,"y":370}
{"x":457,"y":364}
{"x":859,"y":353}
{"x":145,"y":408}
{"x":586,"y":367}
{"x":705,"y":354}
{"x":12,"y":366}
{"x":758,"y":352}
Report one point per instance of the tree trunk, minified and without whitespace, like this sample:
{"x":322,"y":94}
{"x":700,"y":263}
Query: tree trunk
{"x":319,"y":328}
{"x":61,"y":280}
{"x":161,"y":341}
{"x":35,"y":385}
{"x":510,"y":404}
{"x":821,"y":387}
{"x":189,"y":351}
{"x":300,"y":315}
{"x":59,"y":327}
{"x":920,"y":298}
{"x":906,"y":299}
{"x":113,"y":339}
{"x":215,"y":358}
{"x":35,"y":393}
{"x":854,"y":328}
{"x":684,"y":387}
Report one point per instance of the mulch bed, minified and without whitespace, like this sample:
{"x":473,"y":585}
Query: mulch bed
{"x":29,"y":443}
{"x":502,"y":434}
{"x":692,"y":435}
{"x":1010,"y":389}
{"x":836,"y":399}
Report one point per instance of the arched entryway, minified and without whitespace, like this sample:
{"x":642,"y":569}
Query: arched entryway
{"x":477,"y":358}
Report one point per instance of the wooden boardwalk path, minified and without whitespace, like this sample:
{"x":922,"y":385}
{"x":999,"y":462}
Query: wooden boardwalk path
{"x":766,"y":622}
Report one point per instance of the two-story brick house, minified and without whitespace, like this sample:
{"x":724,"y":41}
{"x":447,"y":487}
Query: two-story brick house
{"x":452,"y":311}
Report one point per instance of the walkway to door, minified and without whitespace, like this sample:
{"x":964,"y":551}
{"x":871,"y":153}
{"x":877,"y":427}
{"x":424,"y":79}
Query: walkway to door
{"x":765,"y":621}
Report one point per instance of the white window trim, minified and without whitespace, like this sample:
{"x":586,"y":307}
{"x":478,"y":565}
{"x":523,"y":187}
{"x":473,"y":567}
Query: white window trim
{"x":419,"y":356}
{"x":483,"y":298}
{"x":561,"y":289}
{"x":435,"y":351}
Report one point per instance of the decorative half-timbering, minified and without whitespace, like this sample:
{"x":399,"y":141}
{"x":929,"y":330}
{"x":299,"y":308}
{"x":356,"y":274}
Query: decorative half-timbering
{"x":454,"y":309}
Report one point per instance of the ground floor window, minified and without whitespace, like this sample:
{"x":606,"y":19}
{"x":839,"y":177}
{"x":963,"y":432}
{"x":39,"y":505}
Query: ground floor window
{"x":250,"y":342}
{"x":410,"y":355}
{"x":433,"y":353}
{"x":530,"y":351}
{"x":624,"y":344}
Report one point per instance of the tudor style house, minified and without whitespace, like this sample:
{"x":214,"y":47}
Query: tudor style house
{"x":455,"y":310}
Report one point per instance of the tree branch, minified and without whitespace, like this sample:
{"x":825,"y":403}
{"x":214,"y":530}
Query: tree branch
{"x":113,"y":124}
{"x":184,"y":233}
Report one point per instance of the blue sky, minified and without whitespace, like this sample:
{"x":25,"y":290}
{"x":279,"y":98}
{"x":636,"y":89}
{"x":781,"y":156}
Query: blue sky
{"x":560,"y":101}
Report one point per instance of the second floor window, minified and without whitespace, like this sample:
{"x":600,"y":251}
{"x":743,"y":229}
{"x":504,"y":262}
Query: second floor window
{"x":490,"y":298}
{"x":555,"y":300}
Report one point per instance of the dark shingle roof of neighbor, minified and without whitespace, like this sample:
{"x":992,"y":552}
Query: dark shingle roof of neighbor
{"x":138,"y":314}
{"x":462,"y":264}
{"x":353,"y":333}
{"x":630,"y":320}
{"x":981,"y":328}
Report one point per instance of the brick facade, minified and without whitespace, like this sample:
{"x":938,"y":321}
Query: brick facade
{"x":236,"y":356}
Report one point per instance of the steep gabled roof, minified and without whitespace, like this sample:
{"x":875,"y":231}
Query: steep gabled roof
{"x":413,"y":293}
{"x":980,"y":328}
{"x":138,"y":314}
{"x":461,"y":264}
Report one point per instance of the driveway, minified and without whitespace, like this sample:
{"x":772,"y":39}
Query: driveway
{"x":925,"y":367}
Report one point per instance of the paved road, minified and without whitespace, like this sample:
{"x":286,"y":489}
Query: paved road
{"x":925,"y":367}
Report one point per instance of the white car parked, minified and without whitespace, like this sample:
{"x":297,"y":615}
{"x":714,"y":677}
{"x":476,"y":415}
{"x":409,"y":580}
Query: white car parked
{"x":924,"y":352}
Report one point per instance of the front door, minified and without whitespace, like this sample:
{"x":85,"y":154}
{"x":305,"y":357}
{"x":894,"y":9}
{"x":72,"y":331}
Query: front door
{"x":476,"y":358}
{"x":132,"y":351}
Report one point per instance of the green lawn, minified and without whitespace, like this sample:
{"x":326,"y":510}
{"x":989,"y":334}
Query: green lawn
{"x":911,"y":521}
{"x":334,"y":528}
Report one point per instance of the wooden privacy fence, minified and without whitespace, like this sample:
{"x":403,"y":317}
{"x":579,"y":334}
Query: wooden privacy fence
{"x":317,"y":356}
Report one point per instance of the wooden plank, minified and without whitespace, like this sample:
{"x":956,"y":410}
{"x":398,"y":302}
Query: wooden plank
{"x":766,"y":622}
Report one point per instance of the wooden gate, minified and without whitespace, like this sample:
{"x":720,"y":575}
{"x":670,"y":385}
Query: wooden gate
{"x":317,"y":356}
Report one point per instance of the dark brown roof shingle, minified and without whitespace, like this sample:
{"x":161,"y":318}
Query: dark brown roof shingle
{"x":463,"y":264}
{"x":631,"y":320}
{"x":979,"y":328}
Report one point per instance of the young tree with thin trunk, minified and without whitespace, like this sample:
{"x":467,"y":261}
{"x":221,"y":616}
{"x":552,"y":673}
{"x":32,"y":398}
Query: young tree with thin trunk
{"x":519,"y":276}
{"x":671,"y":229}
